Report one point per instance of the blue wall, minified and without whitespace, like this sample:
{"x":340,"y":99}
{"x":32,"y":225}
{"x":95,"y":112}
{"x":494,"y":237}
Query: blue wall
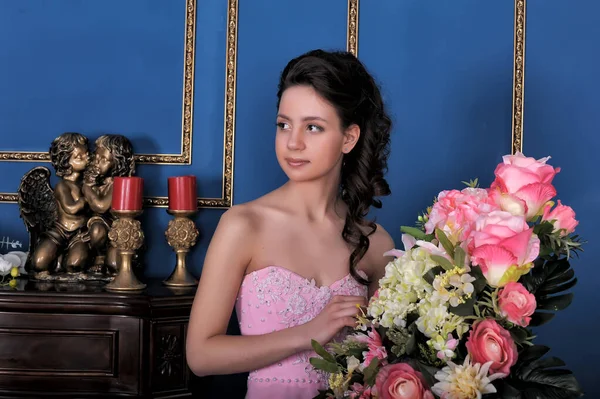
{"x":445,"y":68}
{"x":562,"y":120}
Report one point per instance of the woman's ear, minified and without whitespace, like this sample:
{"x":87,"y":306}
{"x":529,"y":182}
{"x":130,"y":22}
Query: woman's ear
{"x":351,"y":136}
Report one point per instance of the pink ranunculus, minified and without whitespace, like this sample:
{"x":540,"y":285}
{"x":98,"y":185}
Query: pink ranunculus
{"x":527,"y":179}
{"x":563,"y":218}
{"x":516,"y":304}
{"x":375,"y":347}
{"x":401,"y":381}
{"x":503,"y":246}
{"x":488,"y":341}
{"x":455,"y":212}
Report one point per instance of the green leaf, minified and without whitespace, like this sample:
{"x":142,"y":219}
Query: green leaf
{"x":443,"y":262}
{"x":550,"y":277}
{"x":555,"y":303}
{"x":506,"y":391}
{"x":428,"y":373}
{"x":538,"y":377}
{"x":544,"y":228}
{"x":550,"y":289}
{"x":432,"y":273}
{"x":459,"y":256}
{"x":480,"y":280}
{"x":464,"y":309}
{"x":411,"y":344}
{"x":445,"y":242}
{"x":533,"y":353}
{"x":540,"y":318}
{"x":519,"y":334}
{"x":429,"y":237}
{"x":413,"y":231}
{"x":322,"y":352}
{"x":371,"y":371}
{"x":323,"y":364}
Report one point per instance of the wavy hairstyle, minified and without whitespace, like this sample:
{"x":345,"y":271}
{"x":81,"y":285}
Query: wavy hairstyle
{"x":122,"y":150}
{"x":341,"y":79}
{"x":61,"y":150}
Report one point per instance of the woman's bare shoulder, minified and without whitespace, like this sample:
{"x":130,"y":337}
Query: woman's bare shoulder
{"x":250,"y":216}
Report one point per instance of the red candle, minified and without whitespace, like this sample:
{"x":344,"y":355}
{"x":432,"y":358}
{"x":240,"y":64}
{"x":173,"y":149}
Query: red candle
{"x":182,"y":193}
{"x":127,"y":193}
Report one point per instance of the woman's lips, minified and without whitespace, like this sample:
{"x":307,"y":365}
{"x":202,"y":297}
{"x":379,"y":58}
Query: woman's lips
{"x":296,"y":162}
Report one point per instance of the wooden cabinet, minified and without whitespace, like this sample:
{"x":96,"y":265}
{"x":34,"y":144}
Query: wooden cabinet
{"x":77,"y":340}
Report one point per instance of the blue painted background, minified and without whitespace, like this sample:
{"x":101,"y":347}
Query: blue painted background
{"x":446,"y":73}
{"x":562,"y":120}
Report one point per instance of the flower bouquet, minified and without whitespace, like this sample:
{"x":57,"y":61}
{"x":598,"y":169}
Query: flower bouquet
{"x":453,"y":314}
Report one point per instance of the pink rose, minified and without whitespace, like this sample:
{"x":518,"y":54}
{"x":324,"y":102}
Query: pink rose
{"x":401,"y":381}
{"x":516,"y":304}
{"x":455,"y":212}
{"x":488,"y":341}
{"x":563,"y":218}
{"x":525,"y":179}
{"x":375,"y":347}
{"x":503,"y":246}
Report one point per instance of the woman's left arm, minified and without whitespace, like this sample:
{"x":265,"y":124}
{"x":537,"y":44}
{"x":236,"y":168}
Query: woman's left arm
{"x":379,"y":243}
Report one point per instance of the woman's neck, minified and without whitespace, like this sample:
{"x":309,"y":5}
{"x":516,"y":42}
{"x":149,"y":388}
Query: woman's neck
{"x":316,"y":200}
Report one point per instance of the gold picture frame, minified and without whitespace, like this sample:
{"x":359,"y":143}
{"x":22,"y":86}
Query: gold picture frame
{"x":185,"y":157}
{"x":518,"y":77}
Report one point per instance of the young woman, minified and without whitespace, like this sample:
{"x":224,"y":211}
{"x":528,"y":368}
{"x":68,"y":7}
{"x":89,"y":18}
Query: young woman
{"x":296,"y":262}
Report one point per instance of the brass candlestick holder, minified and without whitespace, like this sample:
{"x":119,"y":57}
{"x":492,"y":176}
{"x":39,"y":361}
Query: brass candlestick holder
{"x":127,"y":236}
{"x":181,"y":235}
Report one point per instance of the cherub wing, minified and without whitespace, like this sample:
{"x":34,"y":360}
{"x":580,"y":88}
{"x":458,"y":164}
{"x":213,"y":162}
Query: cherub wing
{"x":37,"y":203}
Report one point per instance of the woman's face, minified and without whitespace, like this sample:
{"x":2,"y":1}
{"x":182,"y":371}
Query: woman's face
{"x":310,"y":142}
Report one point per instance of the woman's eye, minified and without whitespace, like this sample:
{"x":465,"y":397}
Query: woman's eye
{"x":283,"y":125}
{"x":315,"y":128}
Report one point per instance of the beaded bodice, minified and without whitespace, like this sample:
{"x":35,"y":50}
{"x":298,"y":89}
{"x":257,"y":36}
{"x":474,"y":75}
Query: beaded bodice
{"x":275,"y":298}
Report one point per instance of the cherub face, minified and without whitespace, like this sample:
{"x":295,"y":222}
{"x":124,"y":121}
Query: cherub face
{"x":79,"y":158}
{"x":104,"y":160}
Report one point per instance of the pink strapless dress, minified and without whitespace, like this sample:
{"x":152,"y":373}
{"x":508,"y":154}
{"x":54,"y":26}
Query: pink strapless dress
{"x":275,"y":298}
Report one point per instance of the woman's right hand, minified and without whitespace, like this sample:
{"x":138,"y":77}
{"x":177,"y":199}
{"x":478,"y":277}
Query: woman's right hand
{"x":340,"y":312}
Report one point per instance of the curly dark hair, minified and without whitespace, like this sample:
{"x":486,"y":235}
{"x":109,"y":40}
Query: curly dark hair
{"x":122,"y":150}
{"x":61,"y":149}
{"x":341,"y":79}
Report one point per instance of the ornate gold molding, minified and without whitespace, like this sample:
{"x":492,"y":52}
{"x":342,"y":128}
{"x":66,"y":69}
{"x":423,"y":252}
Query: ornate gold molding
{"x":8,"y":197}
{"x":185,"y":156}
{"x":518,"y":76}
{"x":352,"y":36}
{"x":187,"y":116}
{"x":226,"y":199}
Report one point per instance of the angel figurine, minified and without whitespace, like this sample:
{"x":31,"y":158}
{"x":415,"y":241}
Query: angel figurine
{"x":57,"y":219}
{"x":113,"y":156}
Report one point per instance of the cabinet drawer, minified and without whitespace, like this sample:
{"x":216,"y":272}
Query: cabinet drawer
{"x":70,"y":353}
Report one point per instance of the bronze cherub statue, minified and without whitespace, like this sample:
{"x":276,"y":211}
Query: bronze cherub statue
{"x":56,"y":219}
{"x":68,"y":226}
{"x":113,"y":156}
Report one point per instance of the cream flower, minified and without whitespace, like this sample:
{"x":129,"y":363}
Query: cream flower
{"x":353,"y":363}
{"x":401,"y":288}
{"x":466,"y":381}
{"x":435,"y":319}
